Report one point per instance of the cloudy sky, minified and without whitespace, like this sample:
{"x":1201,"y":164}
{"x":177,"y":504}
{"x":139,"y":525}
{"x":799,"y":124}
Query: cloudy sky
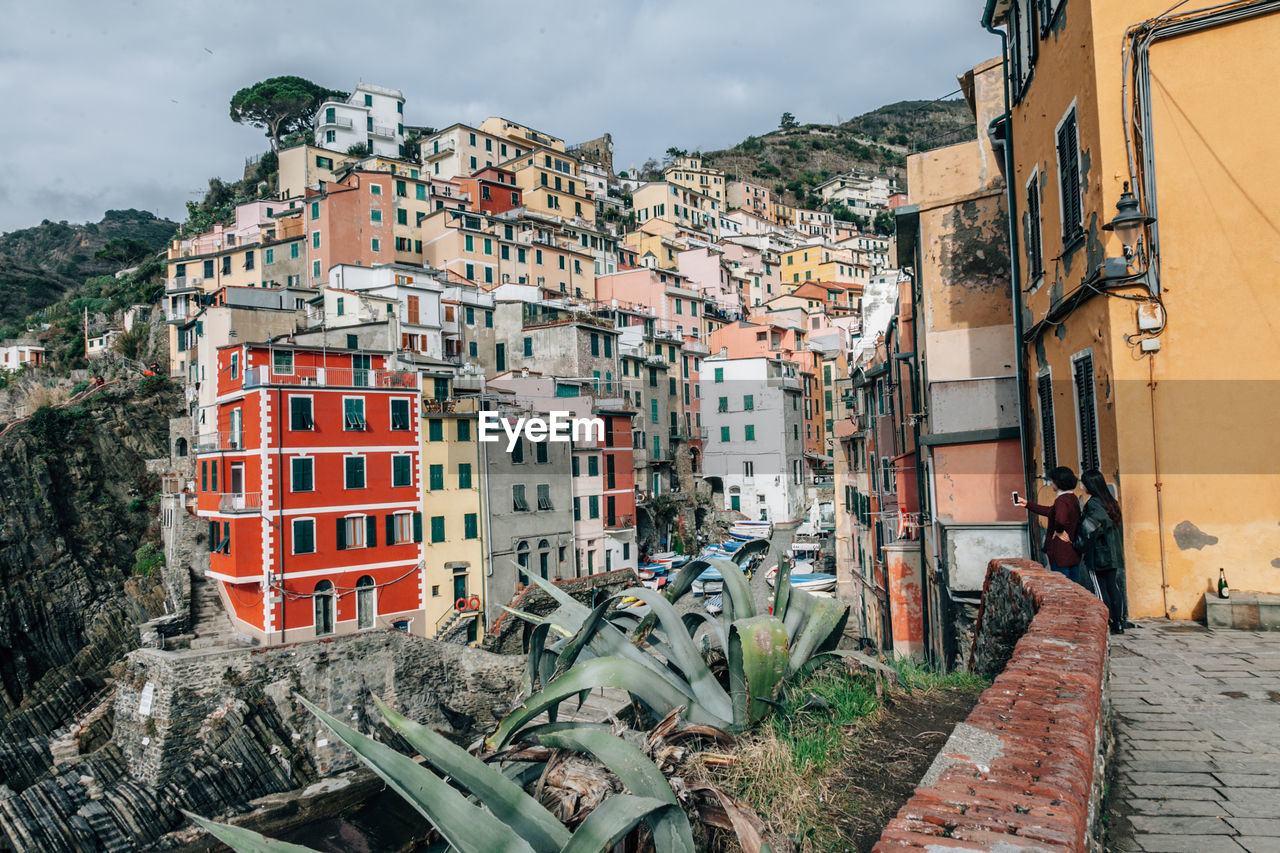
{"x":114,"y":105}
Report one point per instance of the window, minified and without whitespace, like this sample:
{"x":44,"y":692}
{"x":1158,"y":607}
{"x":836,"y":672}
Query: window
{"x":540,"y":452}
{"x":357,"y":531}
{"x":577,"y":509}
{"x":719,"y":374}
{"x":304,"y":536}
{"x":400,"y":528}
{"x":518,"y":503}
{"x":402,"y":470}
{"x":470,"y":529}
{"x":488,"y":319}
{"x":268,"y":256}
{"x":364,"y":602}
{"x":354,"y":472}
{"x":375,"y":215}
{"x":593,"y":506}
{"x":340,"y":303}
{"x":1069,"y":189}
{"x":302,"y":476}
{"x":595,"y":344}
{"x":464,"y":475}
{"x":748,"y":403}
{"x":749,"y":432}
{"x":282,"y":362}
{"x":724,"y":435}
{"x":748,"y":469}
{"x":1086,"y":412}
{"x":464,"y":430}
{"x":528,"y":346}
{"x":1048,"y":436}
{"x":353,"y":413}
{"x":399,"y":414}
{"x":573,"y":464}
{"x":593,"y":466}
{"x":375,"y":245}
{"x":517,"y":451}
{"x":544,"y":496}
{"x":435,"y":430}
{"x":437,"y":528}
{"x":1035,"y":253}
{"x":723,"y":405}
{"x":375,"y":189}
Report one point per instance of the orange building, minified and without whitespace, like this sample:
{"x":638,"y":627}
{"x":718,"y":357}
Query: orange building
{"x":310,"y":487}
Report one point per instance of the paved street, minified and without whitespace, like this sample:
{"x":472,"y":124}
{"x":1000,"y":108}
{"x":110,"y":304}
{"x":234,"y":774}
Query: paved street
{"x":1197,"y":740}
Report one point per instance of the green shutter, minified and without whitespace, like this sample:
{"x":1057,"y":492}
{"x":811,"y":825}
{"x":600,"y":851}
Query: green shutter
{"x":371,"y":531}
{"x":464,"y":475}
{"x":435,"y":430}
{"x":417,"y":527}
{"x":342,"y":534}
{"x":437,"y":528}
{"x":437,"y":477}
{"x":391,"y":529}
{"x":464,"y":430}
{"x":469,"y":526}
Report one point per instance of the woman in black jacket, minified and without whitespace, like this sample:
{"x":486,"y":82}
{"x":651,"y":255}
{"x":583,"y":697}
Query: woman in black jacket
{"x":1104,"y":544}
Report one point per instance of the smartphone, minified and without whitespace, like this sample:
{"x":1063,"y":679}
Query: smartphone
{"x":1015,"y":497}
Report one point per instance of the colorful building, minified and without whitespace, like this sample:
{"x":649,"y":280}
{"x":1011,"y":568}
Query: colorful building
{"x":310,"y":488}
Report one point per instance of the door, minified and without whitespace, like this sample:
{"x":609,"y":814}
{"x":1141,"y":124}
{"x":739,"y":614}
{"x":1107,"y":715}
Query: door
{"x":501,"y":351}
{"x":735,"y":503}
{"x":460,"y":588}
{"x":360,"y":365}
{"x":236,"y":486}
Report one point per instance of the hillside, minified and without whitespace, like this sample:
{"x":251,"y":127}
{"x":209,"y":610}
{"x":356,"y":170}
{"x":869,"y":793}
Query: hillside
{"x":40,"y":265}
{"x":800,"y":158}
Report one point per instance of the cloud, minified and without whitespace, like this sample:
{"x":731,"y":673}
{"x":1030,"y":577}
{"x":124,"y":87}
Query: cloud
{"x":126,"y":106}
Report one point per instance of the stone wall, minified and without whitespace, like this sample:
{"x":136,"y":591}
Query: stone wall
{"x":508,"y":632}
{"x":209,"y":730}
{"x":1024,"y":771}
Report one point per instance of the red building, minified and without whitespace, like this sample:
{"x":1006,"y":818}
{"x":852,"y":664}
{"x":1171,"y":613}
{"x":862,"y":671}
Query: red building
{"x":619,"y":477}
{"x":492,"y":190}
{"x":310,"y":487}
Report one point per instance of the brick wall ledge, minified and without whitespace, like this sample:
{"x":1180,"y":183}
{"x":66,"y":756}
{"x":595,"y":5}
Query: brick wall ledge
{"x":1024,"y":772}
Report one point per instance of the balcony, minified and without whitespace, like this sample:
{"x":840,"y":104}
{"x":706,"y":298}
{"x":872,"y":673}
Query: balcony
{"x":447,"y":147}
{"x":211,"y":442}
{"x":182,"y":316}
{"x":385,"y":131}
{"x":247,"y":503}
{"x":331,"y":377}
{"x":182,"y":283}
{"x":337,"y":121}
{"x":620,"y":522}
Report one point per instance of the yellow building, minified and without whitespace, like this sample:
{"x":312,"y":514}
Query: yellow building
{"x":552,"y":184}
{"x":520,"y":134}
{"x":678,"y":205}
{"x":452,"y":519}
{"x":688,"y":172}
{"x":821,"y":262}
{"x":1152,"y":355}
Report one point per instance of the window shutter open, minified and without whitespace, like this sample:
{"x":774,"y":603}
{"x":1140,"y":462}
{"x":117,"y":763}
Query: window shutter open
{"x":342,"y":534}
{"x":371,"y":531}
{"x":391,"y":529}
{"x":417,"y":527}
{"x":1047,"y":433}
{"x":1087,"y":423}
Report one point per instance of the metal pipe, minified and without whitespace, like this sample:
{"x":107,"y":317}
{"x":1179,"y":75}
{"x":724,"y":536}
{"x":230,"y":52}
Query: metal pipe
{"x":1155,"y":451}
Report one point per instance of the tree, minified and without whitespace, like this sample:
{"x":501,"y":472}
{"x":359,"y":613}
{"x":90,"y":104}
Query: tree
{"x":788,"y":122}
{"x":124,"y":250}
{"x":279,"y":105}
{"x":884,"y":223}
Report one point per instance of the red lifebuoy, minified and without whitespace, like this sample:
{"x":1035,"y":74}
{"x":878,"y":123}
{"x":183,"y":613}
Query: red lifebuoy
{"x":473,"y":603}
{"x":460,"y":604}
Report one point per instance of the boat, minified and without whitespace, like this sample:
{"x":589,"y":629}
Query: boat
{"x":807,"y":552}
{"x":714,"y":603}
{"x":802,"y":577}
{"x":745,"y":531}
{"x":708,"y":583}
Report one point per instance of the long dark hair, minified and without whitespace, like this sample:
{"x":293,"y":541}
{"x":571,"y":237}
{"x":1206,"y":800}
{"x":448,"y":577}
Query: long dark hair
{"x":1095,"y":485}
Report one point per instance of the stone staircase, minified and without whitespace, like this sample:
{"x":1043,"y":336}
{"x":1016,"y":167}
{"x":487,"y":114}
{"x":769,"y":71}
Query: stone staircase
{"x":209,"y":620}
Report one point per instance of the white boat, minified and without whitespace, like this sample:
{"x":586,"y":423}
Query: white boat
{"x":805,"y":552}
{"x":803,"y":577}
{"x":709,"y":582}
{"x":714,"y":603}
{"x":748,"y":530}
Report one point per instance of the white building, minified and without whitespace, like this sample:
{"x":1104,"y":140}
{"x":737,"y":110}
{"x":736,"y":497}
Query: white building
{"x":373,"y":116}
{"x":413,"y":291}
{"x":865,"y":195}
{"x":753,"y":456}
{"x":14,"y":355}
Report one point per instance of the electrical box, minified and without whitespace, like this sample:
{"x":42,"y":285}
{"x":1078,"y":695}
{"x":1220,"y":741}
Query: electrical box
{"x":1150,"y":345}
{"x":1150,"y":316}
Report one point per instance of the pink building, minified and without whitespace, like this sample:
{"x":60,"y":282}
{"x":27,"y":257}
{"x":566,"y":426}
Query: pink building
{"x":705,"y":268}
{"x":676,"y":303}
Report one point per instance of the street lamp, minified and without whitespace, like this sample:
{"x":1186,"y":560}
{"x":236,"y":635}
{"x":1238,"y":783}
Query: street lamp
{"x":1128,"y":222}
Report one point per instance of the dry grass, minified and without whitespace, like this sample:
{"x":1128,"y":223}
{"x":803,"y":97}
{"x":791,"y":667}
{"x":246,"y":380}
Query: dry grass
{"x":43,"y":395}
{"x":834,"y":759}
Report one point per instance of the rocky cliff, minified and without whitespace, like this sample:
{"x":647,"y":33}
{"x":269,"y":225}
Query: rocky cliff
{"x":75,"y":505}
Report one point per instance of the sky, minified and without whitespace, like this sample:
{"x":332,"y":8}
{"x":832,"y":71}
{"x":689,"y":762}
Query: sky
{"x":118,"y":105}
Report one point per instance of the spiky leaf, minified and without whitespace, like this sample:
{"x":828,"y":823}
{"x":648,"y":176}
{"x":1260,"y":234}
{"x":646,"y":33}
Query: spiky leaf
{"x":244,"y":840}
{"x":469,"y":828}
{"x":757,"y":657}
{"x":640,"y":776}
{"x":821,"y":632}
{"x":610,"y":822}
{"x":504,"y":798}
{"x":739,"y":601}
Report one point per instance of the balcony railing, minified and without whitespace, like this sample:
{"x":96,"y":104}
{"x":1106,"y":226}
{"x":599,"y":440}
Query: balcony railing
{"x":172,"y":316}
{"x":619,"y":522}
{"x":338,"y":121}
{"x":447,"y":146}
{"x":224,"y":440}
{"x":183,"y":282}
{"x":383,"y":130}
{"x":242,"y":502}
{"x":331,"y":377}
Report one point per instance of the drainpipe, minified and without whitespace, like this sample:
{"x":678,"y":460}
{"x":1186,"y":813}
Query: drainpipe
{"x":1155,"y":452}
{"x":1015,"y":289}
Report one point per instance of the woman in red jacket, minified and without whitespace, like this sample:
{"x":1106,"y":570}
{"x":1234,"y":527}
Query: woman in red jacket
{"x":1064,"y":521}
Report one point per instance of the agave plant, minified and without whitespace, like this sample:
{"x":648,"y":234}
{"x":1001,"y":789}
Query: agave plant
{"x":656,"y":660}
{"x":499,"y":815}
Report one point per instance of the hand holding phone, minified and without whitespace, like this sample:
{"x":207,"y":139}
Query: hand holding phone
{"x":1017,"y":501}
